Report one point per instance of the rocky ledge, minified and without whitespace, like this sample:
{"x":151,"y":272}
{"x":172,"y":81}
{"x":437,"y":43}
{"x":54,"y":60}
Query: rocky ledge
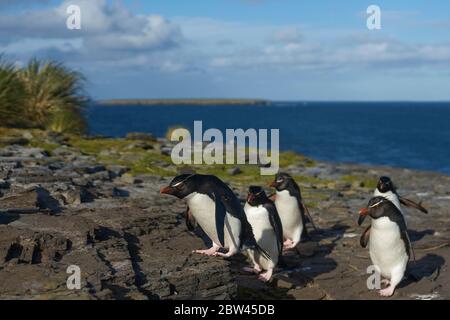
{"x":66,"y":207}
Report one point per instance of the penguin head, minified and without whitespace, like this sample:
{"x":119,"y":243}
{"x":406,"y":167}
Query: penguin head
{"x":375,"y":209}
{"x":256,"y":196}
{"x":181,"y":186}
{"x":282,"y":181}
{"x":385,"y":185}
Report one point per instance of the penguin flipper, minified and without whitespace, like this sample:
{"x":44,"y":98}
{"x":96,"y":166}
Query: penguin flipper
{"x":220,"y":213}
{"x":309,"y":215}
{"x":412,"y":204}
{"x":398,"y":218}
{"x":410,"y":249}
{"x":275,"y":222}
{"x":364,"y":240}
{"x":190,"y":220}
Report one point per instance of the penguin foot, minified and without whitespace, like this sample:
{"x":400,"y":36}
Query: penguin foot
{"x":224,"y":255}
{"x":209,"y":252}
{"x":266,"y":276}
{"x":251,"y":270}
{"x":287,"y":242}
{"x":389,"y":291}
{"x":289,"y":246}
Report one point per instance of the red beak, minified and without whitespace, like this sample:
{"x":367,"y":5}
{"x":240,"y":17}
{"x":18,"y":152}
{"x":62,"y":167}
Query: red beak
{"x":362,"y":215}
{"x":166,"y":190}
{"x":250,"y":198}
{"x":273,"y":184}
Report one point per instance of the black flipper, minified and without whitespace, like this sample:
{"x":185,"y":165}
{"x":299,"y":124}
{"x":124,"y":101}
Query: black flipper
{"x":364,"y":240}
{"x":309,"y":216}
{"x":398,"y":218}
{"x":412,"y":204}
{"x":190,"y":220}
{"x":228,"y":202}
{"x":275,"y":222}
{"x":303,"y":209}
{"x":220,"y":213}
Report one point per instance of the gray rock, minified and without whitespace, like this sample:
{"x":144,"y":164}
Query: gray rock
{"x":140,"y":136}
{"x":117,"y":170}
{"x":4,"y":184}
{"x":234,"y":171}
{"x":167,"y":151}
{"x":14,"y":140}
{"x":140,"y":145}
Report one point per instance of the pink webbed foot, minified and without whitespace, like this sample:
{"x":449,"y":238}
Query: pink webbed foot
{"x":289,"y":244}
{"x":225,"y":255}
{"x":209,"y":252}
{"x":389,"y":291}
{"x":251,"y":270}
{"x":266,"y":276}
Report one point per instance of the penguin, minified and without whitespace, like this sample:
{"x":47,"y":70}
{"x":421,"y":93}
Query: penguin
{"x":266,"y":224}
{"x":389,"y":245}
{"x":386,"y":188}
{"x":290,"y":206}
{"x":217,"y":211}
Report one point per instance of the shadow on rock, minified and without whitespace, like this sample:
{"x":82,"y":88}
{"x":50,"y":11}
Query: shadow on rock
{"x":309,"y":261}
{"x":46,"y":201}
{"x":426,"y":267}
{"x":7,"y":218}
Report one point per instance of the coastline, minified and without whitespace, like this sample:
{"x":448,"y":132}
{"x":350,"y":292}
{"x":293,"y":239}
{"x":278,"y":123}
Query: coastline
{"x":95,"y":202}
{"x":192,"y":102}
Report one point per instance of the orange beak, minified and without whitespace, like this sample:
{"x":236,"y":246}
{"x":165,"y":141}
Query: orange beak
{"x":166,"y":190}
{"x":362,"y":215}
{"x":273,"y":184}
{"x":363,"y":212}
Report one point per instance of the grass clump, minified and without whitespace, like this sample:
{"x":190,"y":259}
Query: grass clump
{"x":44,"y":95}
{"x":364,"y":181}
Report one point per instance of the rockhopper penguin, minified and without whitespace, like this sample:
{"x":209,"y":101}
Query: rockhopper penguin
{"x":292,"y":210}
{"x":218,"y":212}
{"x":386,"y":188}
{"x":389,"y":244}
{"x":266,"y":224}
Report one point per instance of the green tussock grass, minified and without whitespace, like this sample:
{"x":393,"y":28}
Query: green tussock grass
{"x":42,"y":94}
{"x":366,"y":182}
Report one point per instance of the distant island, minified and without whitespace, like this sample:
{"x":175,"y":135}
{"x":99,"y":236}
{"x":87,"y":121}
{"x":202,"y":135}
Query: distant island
{"x":200,"y":102}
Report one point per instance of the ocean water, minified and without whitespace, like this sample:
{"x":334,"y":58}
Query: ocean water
{"x":409,"y":135}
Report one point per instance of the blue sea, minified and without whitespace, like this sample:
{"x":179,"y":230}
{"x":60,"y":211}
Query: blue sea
{"x":401,"y":134}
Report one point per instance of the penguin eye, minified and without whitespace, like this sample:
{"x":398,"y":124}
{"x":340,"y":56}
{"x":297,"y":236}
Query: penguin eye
{"x":280,"y":180}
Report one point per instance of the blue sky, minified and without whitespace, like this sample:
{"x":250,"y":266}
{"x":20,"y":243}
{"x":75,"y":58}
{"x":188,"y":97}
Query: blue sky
{"x":275,"y":49}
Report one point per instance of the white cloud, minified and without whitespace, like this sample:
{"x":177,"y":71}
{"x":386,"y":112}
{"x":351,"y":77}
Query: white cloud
{"x":108,"y":31}
{"x":287,"y":35}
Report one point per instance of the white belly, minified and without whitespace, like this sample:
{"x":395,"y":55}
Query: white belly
{"x":387,"y":249}
{"x":203,"y":208}
{"x":290,"y":215}
{"x":265,"y":236}
{"x":392,"y":197}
